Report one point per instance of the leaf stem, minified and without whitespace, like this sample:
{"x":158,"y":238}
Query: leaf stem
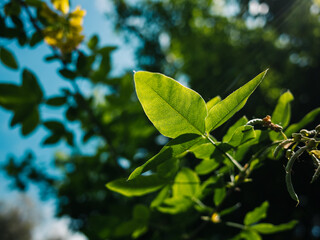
{"x":235,"y":162}
{"x":235,"y":225}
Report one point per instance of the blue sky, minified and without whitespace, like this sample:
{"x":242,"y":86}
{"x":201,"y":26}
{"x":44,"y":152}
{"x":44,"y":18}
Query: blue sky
{"x":12,"y":143}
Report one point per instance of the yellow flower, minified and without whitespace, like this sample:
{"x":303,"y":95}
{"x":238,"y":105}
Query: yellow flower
{"x":215,"y":218}
{"x":61,"y":5}
{"x":63,"y":31}
{"x":76,"y":17}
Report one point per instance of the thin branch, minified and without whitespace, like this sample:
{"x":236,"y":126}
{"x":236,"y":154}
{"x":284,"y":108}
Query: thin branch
{"x":235,"y":162}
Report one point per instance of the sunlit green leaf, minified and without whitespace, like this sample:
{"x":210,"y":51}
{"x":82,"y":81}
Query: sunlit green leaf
{"x":227,"y":137}
{"x":213,"y":102}
{"x":175,"y":205}
{"x":211,"y":156}
{"x":310,"y":117}
{"x":268,"y":228}
{"x":174,"y":149}
{"x":206,"y":166}
{"x":162,"y":195}
{"x":282,"y":113}
{"x":225,"y":109}
{"x":257,"y":214}
{"x":244,"y":148}
{"x":186,"y":186}
{"x":172,"y":108}
{"x":203,"y":151}
{"x":218,"y":195}
{"x":168,"y":168}
{"x":242,"y":135}
{"x":248,"y":235}
{"x":139,"y":186}
{"x":186,"y":183}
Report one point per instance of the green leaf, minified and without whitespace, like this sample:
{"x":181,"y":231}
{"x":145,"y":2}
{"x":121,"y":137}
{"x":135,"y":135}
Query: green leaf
{"x":52,"y":139}
{"x":34,"y":3}
{"x":210,"y":155}
{"x":249,"y":235}
{"x":242,"y":135}
{"x":168,"y":168}
{"x":13,"y":96}
{"x":172,"y":108}
{"x":68,"y":136}
{"x":141,"y":213}
{"x":49,"y":58}
{"x":175,"y":205}
{"x":35,"y":38}
{"x":174,"y":149}
{"x":30,"y":83}
{"x":230,"y":209}
{"x":92,"y":43}
{"x":281,"y":114}
{"x":7,"y":58}
{"x":54,"y":126}
{"x":310,"y":117}
{"x":225,"y":109}
{"x":56,"y":101}
{"x":203,"y":151}
{"x":19,"y":114}
{"x":137,"y":226}
{"x":139,"y":186}
{"x":12,"y":9}
{"x":126,"y":228}
{"x":66,"y":73}
{"x":186,"y":184}
{"x":244,"y":148}
{"x":30,"y":122}
{"x":268,"y":228}
{"x":227,"y":137}
{"x":206,"y":166}
{"x":162,"y":195}
{"x":219,"y":195}
{"x":257,"y":214}
{"x":213,"y":102}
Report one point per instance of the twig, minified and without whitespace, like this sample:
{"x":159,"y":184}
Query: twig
{"x":235,"y":162}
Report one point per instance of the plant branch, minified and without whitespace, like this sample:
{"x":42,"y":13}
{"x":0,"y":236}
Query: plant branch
{"x":235,"y":225}
{"x":235,"y":162}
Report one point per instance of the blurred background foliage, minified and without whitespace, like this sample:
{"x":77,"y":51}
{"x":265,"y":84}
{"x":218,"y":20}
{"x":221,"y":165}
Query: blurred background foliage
{"x":212,"y":46}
